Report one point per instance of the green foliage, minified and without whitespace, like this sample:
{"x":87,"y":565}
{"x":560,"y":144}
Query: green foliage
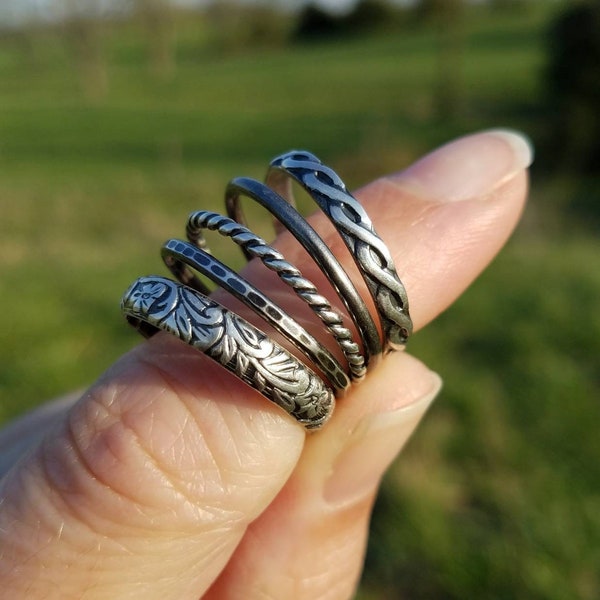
{"x":316,"y":23}
{"x":372,"y":15}
{"x":237,"y":27}
{"x":439,"y":10}
{"x":497,"y":495}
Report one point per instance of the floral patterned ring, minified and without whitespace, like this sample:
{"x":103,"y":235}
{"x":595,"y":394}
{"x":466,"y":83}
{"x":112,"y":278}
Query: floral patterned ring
{"x":152,"y":304}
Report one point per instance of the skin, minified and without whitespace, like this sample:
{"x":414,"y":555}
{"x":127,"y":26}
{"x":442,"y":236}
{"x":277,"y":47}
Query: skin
{"x":169,"y":478}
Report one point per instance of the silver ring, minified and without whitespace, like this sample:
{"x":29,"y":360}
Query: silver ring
{"x":179,"y":256}
{"x":318,"y":250}
{"x":156,"y":303}
{"x":256,"y":247}
{"x":353,"y":224}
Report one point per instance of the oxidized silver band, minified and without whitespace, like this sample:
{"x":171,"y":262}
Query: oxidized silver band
{"x":319,"y":251}
{"x":156,"y":303}
{"x":256,"y":247}
{"x":184,"y":310}
{"x":179,"y":256}
{"x":354,"y":226}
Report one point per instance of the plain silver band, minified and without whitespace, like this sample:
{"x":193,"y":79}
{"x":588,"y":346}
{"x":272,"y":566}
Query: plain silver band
{"x":157,"y":303}
{"x":318,"y":250}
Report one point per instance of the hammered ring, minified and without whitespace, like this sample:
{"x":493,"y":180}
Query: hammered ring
{"x":304,"y":387}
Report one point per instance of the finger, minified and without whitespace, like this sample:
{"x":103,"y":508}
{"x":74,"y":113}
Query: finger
{"x":25,"y":433}
{"x":310,"y":542}
{"x":165,"y":457}
{"x":440,"y":238}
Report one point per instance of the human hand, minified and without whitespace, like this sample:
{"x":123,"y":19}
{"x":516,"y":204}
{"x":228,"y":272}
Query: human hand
{"x":170,"y":478}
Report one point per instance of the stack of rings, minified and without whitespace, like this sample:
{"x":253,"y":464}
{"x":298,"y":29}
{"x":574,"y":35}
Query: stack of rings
{"x":183,"y":309}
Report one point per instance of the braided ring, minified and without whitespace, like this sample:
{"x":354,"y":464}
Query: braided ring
{"x":354,"y":226}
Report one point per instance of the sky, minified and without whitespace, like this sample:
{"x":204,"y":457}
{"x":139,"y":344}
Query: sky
{"x":15,"y":11}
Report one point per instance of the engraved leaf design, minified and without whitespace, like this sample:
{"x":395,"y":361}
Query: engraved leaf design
{"x":226,"y":348}
{"x":284,"y":400}
{"x":205,"y":320}
{"x":171,"y":323}
{"x":281,"y":365}
{"x":260,"y":381}
{"x":248,"y":334}
{"x":183,"y":324}
{"x":194,"y":302}
{"x":242,"y":362}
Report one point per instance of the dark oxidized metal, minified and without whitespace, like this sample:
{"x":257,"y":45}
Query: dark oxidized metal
{"x":354,"y":226}
{"x":179,"y":256}
{"x":319,"y":251}
{"x":155,"y":303}
{"x":184,"y":310}
{"x":255,"y":246}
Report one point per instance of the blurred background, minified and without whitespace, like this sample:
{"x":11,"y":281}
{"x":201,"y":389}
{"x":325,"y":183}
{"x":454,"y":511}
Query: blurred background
{"x":119,"y":118}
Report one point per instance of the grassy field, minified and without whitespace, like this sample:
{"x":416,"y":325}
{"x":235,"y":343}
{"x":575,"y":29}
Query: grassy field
{"x":498,"y":495}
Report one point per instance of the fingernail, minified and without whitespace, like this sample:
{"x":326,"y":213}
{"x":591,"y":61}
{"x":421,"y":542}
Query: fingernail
{"x":373,"y":446}
{"x":469,"y":166}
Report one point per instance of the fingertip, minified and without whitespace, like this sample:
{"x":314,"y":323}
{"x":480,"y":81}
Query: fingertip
{"x":468,"y":167}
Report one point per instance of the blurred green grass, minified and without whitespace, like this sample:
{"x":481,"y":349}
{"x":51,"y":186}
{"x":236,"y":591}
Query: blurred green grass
{"x":498,"y":494}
